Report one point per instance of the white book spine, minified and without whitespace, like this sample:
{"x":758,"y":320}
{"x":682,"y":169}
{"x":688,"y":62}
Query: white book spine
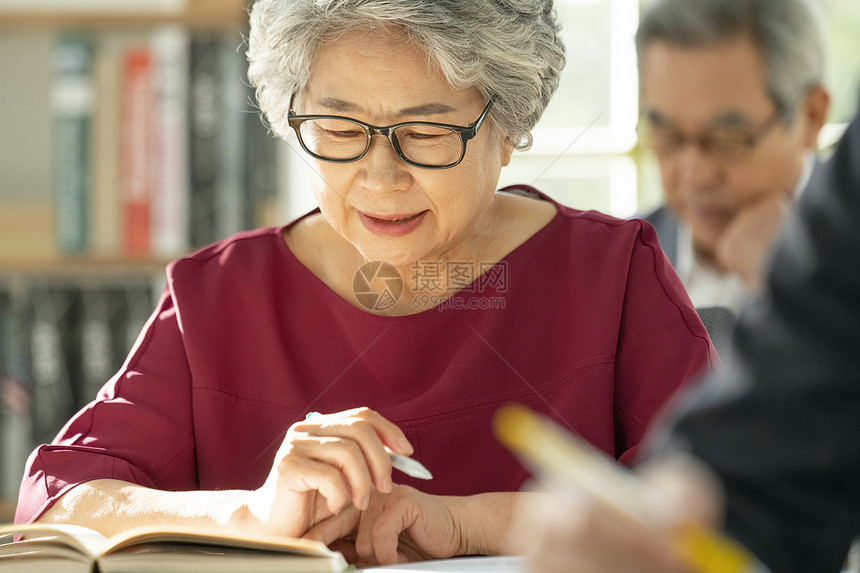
{"x":169,"y":223}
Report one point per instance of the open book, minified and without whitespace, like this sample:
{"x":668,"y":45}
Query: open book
{"x":73,"y":549}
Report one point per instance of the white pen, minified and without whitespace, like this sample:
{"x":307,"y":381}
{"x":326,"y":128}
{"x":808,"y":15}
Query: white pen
{"x":409,"y":466}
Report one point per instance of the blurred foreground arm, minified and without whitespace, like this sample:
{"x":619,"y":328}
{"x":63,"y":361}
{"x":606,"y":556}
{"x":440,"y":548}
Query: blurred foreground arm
{"x":575,"y":533}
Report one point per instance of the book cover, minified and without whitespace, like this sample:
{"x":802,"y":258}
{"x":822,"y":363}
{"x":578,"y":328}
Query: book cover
{"x":136,"y":141}
{"x":72,"y":104}
{"x":71,"y":548}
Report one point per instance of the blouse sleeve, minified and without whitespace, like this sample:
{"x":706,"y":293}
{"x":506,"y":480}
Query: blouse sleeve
{"x":662,"y":343}
{"x":139,"y":429}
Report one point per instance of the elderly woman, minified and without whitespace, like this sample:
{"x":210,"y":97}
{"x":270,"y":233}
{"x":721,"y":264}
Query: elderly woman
{"x":407,"y":308}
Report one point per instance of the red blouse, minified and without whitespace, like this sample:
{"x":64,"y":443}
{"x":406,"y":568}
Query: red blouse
{"x":586,"y":322}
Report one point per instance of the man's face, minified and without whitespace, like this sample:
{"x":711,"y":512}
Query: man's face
{"x":702,"y":101}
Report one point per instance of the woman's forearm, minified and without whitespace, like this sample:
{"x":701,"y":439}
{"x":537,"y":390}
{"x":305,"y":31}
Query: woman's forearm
{"x":485,"y":520}
{"x":110,"y":506}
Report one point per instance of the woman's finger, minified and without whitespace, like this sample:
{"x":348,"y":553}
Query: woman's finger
{"x":370,"y":431}
{"x":336,"y":527}
{"x":302,"y":476}
{"x":341,"y":455}
{"x":378,"y":535}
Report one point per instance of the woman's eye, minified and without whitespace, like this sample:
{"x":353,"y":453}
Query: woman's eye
{"x":346,"y":133}
{"x":420,"y":133}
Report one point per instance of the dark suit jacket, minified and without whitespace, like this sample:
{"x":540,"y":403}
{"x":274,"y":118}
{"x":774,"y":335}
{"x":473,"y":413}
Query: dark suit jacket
{"x":666,"y":225}
{"x":780,"y":423}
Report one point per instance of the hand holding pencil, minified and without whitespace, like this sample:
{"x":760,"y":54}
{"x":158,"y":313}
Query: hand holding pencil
{"x":619,"y":532}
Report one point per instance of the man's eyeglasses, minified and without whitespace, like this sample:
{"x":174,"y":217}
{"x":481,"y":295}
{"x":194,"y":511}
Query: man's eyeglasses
{"x":420,"y":143}
{"x":728,"y":143}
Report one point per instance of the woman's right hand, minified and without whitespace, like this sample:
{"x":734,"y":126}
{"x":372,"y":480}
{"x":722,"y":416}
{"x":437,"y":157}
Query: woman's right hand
{"x":325,"y":464}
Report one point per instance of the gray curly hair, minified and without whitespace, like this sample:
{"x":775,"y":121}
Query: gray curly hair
{"x":510,"y":48}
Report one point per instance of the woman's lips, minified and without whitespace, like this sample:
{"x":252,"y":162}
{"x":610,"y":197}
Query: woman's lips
{"x":392,"y":225}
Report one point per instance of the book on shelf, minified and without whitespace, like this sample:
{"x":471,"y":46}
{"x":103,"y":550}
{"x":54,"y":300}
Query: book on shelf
{"x":156,"y":142}
{"x":138,"y":305}
{"x":137,"y":95}
{"x":101,"y":338}
{"x":229,"y":193}
{"x":151,"y":549}
{"x":15,"y":399}
{"x":72,"y":105}
{"x":50,"y":319}
{"x":203,"y":131}
{"x":261,"y":172}
{"x":105,"y":231}
{"x":169,"y":206}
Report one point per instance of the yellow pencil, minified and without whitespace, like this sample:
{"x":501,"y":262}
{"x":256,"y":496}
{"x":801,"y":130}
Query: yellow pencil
{"x":550,"y":450}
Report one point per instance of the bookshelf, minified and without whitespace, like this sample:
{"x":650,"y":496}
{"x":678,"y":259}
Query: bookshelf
{"x":70,"y":313}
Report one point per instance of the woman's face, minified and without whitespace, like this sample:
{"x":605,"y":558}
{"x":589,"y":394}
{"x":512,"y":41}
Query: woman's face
{"x":387,"y":209}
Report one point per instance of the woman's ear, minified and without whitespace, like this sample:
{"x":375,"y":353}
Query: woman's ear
{"x":506,"y":150}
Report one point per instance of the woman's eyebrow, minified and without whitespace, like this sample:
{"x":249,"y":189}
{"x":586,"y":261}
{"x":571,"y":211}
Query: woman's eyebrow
{"x":335,"y":104}
{"x":427,"y":109}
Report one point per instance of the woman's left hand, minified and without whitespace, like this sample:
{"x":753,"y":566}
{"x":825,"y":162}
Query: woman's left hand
{"x":405,"y":525}
{"x":408,"y":525}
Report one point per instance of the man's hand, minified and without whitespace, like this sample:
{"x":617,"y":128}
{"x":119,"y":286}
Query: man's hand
{"x":746,"y":243}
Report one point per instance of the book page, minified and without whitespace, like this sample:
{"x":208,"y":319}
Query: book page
{"x":83,"y":540}
{"x":210,"y":536}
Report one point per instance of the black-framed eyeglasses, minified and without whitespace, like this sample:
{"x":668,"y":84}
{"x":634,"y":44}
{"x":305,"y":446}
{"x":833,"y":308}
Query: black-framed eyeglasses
{"x":424,"y":144}
{"x":728,"y":143}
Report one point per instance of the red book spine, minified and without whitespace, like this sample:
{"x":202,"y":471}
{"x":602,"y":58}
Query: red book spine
{"x":136,"y":141}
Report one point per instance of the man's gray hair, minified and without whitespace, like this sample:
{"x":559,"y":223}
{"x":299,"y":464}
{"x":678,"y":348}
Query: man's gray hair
{"x":788,"y":33}
{"x":510,"y":48}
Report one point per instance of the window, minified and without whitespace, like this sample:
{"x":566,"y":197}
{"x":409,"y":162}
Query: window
{"x":584,"y":145}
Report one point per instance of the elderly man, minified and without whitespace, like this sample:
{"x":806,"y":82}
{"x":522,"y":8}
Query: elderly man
{"x":734,"y":100}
